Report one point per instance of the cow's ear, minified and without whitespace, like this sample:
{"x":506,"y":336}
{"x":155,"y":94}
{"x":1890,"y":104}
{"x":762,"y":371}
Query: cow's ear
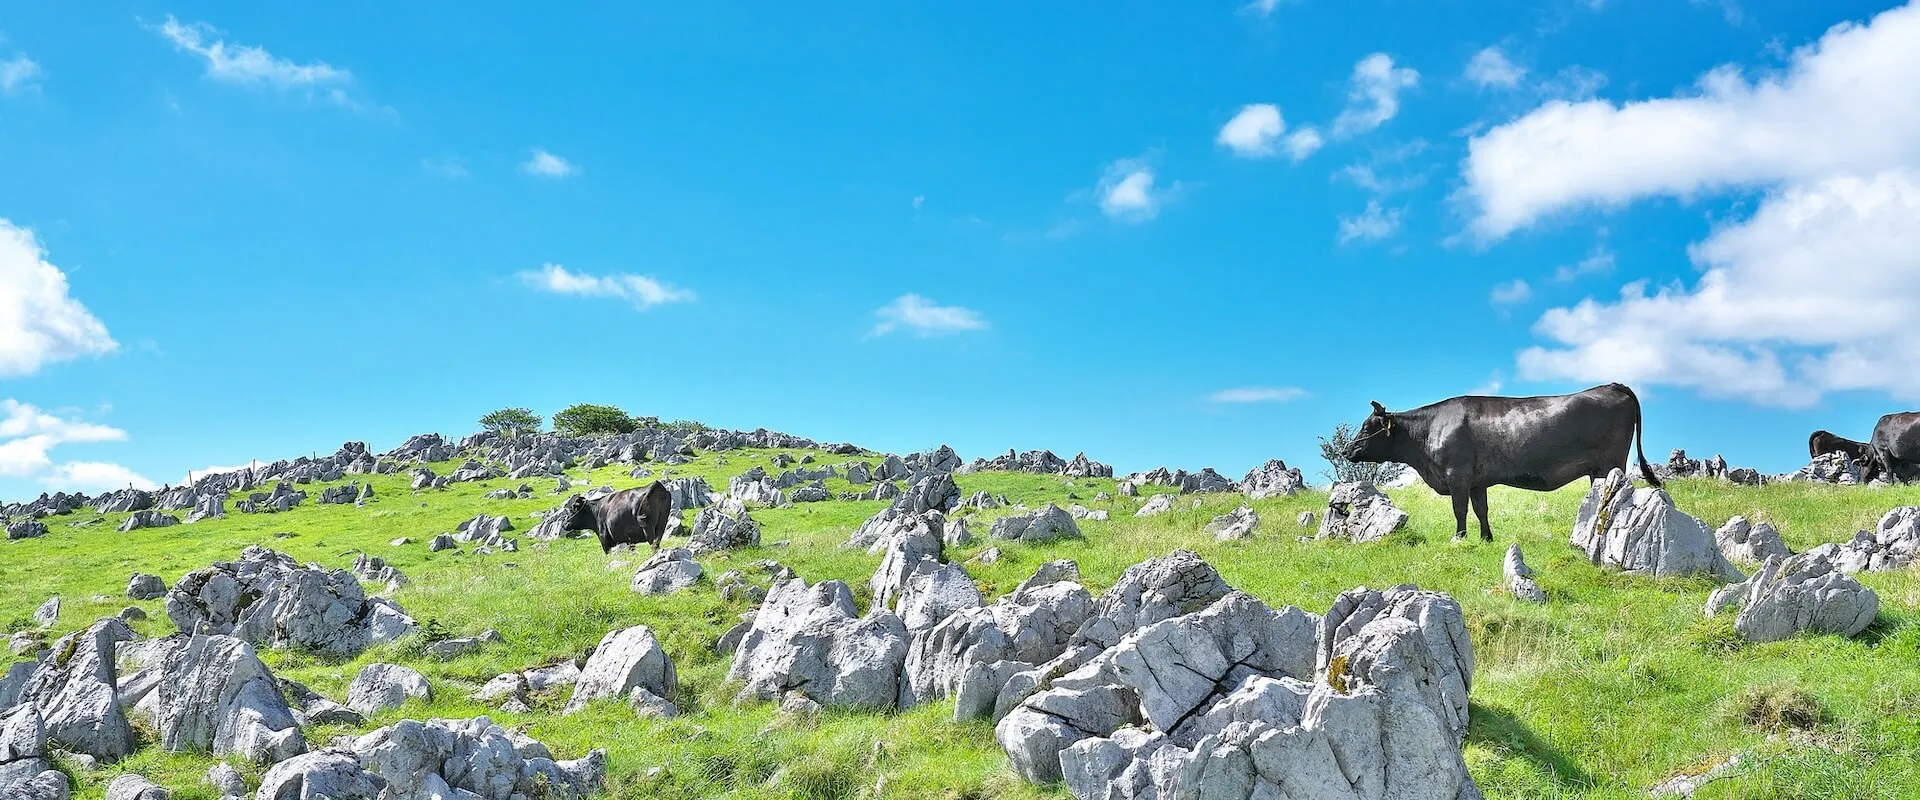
{"x":1379,"y":409}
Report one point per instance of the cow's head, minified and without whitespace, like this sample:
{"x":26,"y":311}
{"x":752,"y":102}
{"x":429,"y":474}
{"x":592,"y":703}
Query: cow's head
{"x":1374,"y":441}
{"x":578,"y":513}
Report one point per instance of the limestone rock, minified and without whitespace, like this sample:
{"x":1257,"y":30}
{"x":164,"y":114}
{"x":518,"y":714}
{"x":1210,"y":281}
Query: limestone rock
{"x":726,"y":526}
{"x":128,"y":786}
{"x":74,"y":691}
{"x":268,"y":600}
{"x":1893,"y":544}
{"x":1241,"y":523}
{"x":666,"y":572}
{"x":1441,"y":625}
{"x":1743,"y":542}
{"x":384,"y":687}
{"x":1519,"y":577}
{"x":1272,"y":479}
{"x":1358,"y":512}
{"x":1794,"y":594}
{"x":1044,"y":525}
{"x":1156,"y":505}
{"x":216,"y":697}
{"x":454,"y":759}
{"x":626,"y":661}
{"x":323,"y":775}
{"x":146,"y":587}
{"x":1641,"y":532}
{"x":810,"y":640}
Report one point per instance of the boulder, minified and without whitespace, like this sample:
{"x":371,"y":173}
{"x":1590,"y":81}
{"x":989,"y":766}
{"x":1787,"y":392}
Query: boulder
{"x":208,"y":506}
{"x":1893,"y":544}
{"x":878,"y":531}
{"x":1239,"y":524}
{"x":214,"y":696}
{"x":934,"y":592}
{"x":148,"y":519}
{"x":1156,"y":505}
{"x":26,"y":770}
{"x":441,"y":542}
{"x":1642,"y":533}
{"x":1441,"y":625}
{"x":384,"y":687}
{"x":1795,"y":594}
{"x":26,"y":529}
{"x":1833,"y":467}
{"x":726,"y":526}
{"x":755,"y":488}
{"x":323,"y":775}
{"x":270,"y":601}
{"x":225,"y":780}
{"x":1519,"y":577}
{"x":666,"y":572}
{"x":1272,"y":479}
{"x":935,"y":492}
{"x":1044,"y":525}
{"x":48,"y":612}
{"x":1133,"y":764}
{"x":128,"y":786}
{"x":75,"y":692}
{"x":1028,"y":627}
{"x":464,"y":759}
{"x":1745,"y":543}
{"x":146,"y":587}
{"x":809,"y":640}
{"x":626,"y":661}
{"x":904,"y":550}
{"x":376,"y":570}
{"x":1356,"y":511}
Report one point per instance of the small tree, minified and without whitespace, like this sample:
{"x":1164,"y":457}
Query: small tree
{"x":686,"y":426}
{"x":588,"y":419}
{"x":1334,"y":449}
{"x":511,"y":422}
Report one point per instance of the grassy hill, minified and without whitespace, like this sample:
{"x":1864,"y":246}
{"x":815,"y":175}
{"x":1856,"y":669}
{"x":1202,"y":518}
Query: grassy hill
{"x":1614,"y":685}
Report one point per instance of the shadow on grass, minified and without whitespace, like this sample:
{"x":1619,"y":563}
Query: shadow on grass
{"x":1499,"y":729}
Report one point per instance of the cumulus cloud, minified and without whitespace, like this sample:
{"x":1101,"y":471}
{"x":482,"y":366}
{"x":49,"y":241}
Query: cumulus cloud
{"x":40,"y":323}
{"x":28,"y":436}
{"x":246,"y":64}
{"x":922,"y":317}
{"x":1258,"y":394}
{"x":1373,"y":94}
{"x":547,"y":165}
{"x":1254,"y":132}
{"x":1375,"y":223}
{"x":1814,"y":292}
{"x":640,"y":290}
{"x":1262,"y":8}
{"x":1597,"y":262}
{"x":1844,"y":105}
{"x":1491,"y":69}
{"x":19,"y":73}
{"x":1128,"y":193}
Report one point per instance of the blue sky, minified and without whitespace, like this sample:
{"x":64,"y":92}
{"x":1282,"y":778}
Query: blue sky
{"x":1165,"y":233}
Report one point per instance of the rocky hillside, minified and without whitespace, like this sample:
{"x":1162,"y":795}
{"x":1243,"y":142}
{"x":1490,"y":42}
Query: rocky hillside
{"x":831,"y":622}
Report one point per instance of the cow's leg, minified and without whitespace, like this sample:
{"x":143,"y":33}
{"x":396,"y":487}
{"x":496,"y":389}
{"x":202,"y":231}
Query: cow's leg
{"x":1460,"y":513}
{"x":1480,"y":510}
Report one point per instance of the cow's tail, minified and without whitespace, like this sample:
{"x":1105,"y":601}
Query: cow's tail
{"x":1639,"y":429}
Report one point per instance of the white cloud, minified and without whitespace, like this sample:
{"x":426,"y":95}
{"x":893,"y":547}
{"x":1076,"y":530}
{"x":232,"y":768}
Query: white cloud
{"x":1490,"y":68}
{"x":642,"y":291}
{"x":1303,"y":143}
{"x":94,"y":476}
{"x":1511,"y":292}
{"x":1373,"y":94}
{"x":923,"y":317}
{"x":19,"y":73}
{"x":245,"y":64}
{"x":919,"y":201}
{"x":445,"y":167}
{"x":1816,"y":292}
{"x":1254,"y":132}
{"x":1844,"y":105}
{"x":1375,"y":223}
{"x":28,"y":436}
{"x":1258,"y":394}
{"x":1495,"y":381}
{"x":39,"y":322}
{"x":1262,"y":8}
{"x":547,"y":165}
{"x":1597,"y":262}
{"x":1127,"y":192}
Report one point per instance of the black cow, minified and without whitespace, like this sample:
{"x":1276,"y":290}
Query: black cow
{"x":1462,"y":445}
{"x":1822,"y":443}
{"x":631,"y":516}
{"x":1895,"y":447}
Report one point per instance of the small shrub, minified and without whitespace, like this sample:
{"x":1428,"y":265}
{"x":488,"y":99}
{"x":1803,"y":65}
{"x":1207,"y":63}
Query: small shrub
{"x":1333,"y":449}
{"x":1777,"y":708}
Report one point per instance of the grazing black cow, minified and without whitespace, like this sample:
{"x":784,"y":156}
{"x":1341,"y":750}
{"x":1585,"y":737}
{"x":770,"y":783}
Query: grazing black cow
{"x":1822,"y":443}
{"x":1895,"y":447}
{"x":1462,"y":445}
{"x":631,"y":516}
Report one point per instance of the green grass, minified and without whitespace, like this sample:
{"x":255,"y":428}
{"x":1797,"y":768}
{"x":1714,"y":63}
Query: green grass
{"x":1615,"y":685}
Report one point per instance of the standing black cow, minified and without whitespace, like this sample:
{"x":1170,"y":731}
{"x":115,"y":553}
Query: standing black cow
{"x":1822,"y":443}
{"x":1895,"y":448}
{"x":1462,"y":445}
{"x":631,"y":516}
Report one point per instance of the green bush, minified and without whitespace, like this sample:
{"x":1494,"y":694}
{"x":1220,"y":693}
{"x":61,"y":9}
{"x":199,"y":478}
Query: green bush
{"x":588,"y":419}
